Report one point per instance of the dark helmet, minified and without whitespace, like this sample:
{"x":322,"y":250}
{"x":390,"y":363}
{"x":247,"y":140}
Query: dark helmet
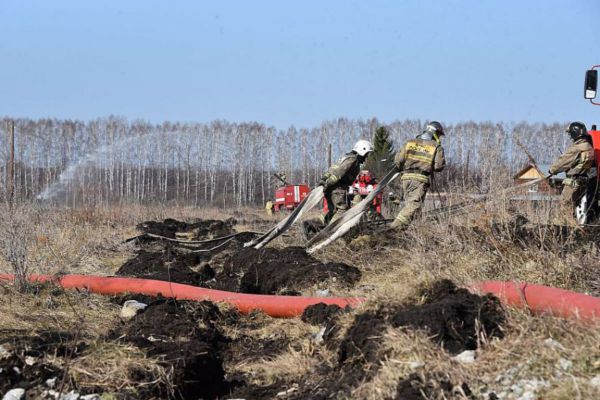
{"x":576,"y":130}
{"x":435,"y":127}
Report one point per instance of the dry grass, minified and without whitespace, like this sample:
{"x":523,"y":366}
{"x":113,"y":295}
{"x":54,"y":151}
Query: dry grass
{"x":91,"y":241}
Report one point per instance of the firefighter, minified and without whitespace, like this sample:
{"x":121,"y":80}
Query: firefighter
{"x":576,"y":161}
{"x":417,"y":160}
{"x":339,"y":177}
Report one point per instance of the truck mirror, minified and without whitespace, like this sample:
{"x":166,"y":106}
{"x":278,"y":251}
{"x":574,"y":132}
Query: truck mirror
{"x":591,"y":84}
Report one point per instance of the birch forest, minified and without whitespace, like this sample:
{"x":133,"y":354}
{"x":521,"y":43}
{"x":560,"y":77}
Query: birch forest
{"x":229,"y":164}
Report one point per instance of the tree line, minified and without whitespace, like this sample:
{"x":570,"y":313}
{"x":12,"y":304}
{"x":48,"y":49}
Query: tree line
{"x":231,"y":164}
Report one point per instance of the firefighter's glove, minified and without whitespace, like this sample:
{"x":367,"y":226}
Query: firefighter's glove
{"x":328,"y":180}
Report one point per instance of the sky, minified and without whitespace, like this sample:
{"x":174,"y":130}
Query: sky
{"x":299,"y":63}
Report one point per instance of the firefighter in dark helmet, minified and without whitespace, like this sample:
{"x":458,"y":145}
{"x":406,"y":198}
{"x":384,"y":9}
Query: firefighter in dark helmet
{"x":417,"y":160}
{"x":576,"y":161}
{"x":339,"y":177}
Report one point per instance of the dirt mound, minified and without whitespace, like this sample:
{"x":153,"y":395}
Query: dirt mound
{"x":450,"y":316}
{"x":266,"y":271}
{"x":185,"y":337}
{"x":417,"y":387}
{"x":288,"y":270}
{"x":196,"y":230}
{"x":447,"y":315}
{"x":321,"y":313}
{"x":168,"y":265}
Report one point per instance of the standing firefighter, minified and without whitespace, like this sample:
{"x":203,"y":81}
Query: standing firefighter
{"x":417,"y":160}
{"x":340,"y":176}
{"x":576,"y":161}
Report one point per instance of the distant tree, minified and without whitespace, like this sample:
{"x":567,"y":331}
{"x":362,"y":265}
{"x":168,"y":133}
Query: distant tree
{"x":381,"y":160}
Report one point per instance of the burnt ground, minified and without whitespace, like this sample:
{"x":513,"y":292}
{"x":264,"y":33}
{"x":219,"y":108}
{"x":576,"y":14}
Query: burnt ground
{"x":232,"y":267}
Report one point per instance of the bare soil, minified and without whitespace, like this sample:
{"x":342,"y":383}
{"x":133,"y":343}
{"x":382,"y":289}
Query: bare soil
{"x":28,"y":365}
{"x":231,"y":267}
{"x":198,"y":230}
{"x":287,"y":270}
{"x":184,"y":336}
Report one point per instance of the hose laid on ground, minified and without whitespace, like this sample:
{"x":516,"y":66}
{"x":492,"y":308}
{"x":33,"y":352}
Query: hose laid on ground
{"x":537,"y":298}
{"x":190,"y":242}
{"x":275,"y":306}
{"x":543,"y":299}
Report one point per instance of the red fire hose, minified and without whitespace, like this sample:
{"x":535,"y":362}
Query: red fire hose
{"x":543,"y":299}
{"x":539,"y":299}
{"x":275,"y":306}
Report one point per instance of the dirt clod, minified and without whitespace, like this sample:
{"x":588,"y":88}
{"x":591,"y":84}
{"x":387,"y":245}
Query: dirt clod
{"x":416,"y":387}
{"x":197,"y":230}
{"x":450,"y":315}
{"x":273,"y":271}
{"x":166,"y":265}
{"x":321,"y":313}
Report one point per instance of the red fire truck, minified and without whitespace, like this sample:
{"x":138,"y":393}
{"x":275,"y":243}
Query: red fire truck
{"x":588,"y":208}
{"x":287,"y":197}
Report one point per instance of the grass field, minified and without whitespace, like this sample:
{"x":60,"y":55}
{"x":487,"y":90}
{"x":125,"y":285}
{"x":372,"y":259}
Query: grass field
{"x":381,"y":350}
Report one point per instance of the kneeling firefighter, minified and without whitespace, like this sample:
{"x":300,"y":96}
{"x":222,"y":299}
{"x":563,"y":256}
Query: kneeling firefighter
{"x":340,"y":177}
{"x":417,"y":160}
{"x":576,"y":161}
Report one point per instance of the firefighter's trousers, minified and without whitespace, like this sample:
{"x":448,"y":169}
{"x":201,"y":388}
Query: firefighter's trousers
{"x":414,"y":195}
{"x":337,"y":204}
{"x":569,"y":198}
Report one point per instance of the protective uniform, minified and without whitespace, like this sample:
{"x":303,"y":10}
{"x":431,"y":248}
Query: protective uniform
{"x":339,"y":177}
{"x":336,"y":182}
{"x":576,"y":161}
{"x":418,"y":159}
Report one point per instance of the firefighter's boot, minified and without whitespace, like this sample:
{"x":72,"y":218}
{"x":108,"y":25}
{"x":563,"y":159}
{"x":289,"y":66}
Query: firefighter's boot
{"x":400,"y":223}
{"x":311,"y":227}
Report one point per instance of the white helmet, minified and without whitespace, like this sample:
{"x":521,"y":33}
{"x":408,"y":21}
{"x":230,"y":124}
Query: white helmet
{"x":362,"y":147}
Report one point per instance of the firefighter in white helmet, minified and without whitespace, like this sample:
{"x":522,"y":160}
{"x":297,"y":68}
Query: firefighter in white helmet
{"x":340,"y":176}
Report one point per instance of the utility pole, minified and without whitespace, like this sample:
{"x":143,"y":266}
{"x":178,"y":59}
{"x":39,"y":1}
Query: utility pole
{"x":329,"y":157}
{"x":11,"y":164}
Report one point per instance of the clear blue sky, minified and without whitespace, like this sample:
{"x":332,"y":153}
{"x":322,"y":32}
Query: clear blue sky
{"x":283,"y":62}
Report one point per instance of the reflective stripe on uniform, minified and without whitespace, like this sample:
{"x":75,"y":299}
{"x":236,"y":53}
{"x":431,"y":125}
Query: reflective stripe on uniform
{"x":331,"y":179}
{"x":415,"y":177}
{"x":420,"y":151}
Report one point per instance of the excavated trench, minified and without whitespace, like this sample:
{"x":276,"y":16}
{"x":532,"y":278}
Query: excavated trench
{"x":231,"y":267}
